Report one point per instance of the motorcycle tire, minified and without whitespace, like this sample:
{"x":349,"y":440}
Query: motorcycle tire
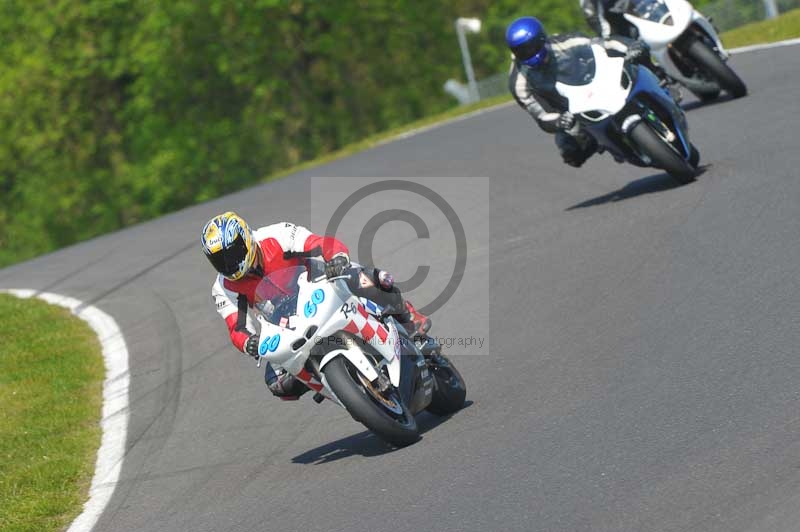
{"x":399,"y":430}
{"x":706,"y":97}
{"x":661,"y":153}
{"x":708,"y":59}
{"x":694,"y":156}
{"x":449,"y":389}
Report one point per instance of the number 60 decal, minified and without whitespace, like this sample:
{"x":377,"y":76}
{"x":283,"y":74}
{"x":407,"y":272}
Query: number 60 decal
{"x":269,"y":344}
{"x":310,"y":308}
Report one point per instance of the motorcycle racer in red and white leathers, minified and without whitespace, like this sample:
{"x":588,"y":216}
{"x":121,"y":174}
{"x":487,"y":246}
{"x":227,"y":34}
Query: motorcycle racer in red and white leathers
{"x":242,"y":257}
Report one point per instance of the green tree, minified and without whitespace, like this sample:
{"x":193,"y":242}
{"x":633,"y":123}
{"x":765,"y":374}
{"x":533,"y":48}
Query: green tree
{"x":116,"y":111}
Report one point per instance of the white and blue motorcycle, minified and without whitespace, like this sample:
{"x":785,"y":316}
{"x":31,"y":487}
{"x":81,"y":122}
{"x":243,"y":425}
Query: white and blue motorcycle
{"x":686,"y":45}
{"x":346,"y":350}
{"x":623,"y":107}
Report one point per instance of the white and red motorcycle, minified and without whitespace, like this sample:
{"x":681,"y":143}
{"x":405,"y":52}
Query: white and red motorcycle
{"x":686,"y":45}
{"x":347,"y":351}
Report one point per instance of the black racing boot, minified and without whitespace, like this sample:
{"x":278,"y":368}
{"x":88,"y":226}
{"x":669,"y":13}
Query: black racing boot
{"x":283,"y":384}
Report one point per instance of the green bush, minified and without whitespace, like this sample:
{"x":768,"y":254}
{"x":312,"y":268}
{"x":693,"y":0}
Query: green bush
{"x":117,"y":111}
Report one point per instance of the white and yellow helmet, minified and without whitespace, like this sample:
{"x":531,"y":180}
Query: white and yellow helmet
{"x":229,"y":245}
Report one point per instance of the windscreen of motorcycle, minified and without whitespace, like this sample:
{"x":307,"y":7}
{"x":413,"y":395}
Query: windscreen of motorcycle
{"x":653,"y":10}
{"x":276,"y":295}
{"x":577,"y":67}
{"x":603,"y":91}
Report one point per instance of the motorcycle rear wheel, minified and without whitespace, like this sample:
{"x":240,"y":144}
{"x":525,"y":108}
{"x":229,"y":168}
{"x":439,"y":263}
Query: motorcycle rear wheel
{"x":661,"y":153}
{"x":393,"y":422}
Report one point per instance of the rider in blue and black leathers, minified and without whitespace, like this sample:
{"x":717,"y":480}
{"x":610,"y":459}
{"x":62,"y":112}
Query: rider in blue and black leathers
{"x":540,"y":61}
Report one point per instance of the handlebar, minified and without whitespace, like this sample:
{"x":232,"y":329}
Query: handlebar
{"x":313,"y":252}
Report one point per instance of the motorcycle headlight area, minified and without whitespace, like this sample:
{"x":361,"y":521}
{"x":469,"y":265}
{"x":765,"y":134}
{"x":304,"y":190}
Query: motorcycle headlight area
{"x":594,"y":116}
{"x":626,"y":81}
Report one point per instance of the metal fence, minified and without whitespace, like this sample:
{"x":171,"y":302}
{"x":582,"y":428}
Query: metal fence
{"x":485,"y":88}
{"x":493,"y":85}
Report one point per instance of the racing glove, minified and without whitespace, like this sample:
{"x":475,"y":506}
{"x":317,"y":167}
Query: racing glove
{"x":385,"y":280}
{"x":337,"y":265}
{"x":251,"y":346}
{"x":565,"y":121}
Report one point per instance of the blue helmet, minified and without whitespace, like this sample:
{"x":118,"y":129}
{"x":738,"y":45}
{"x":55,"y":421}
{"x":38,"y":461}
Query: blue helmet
{"x":526,"y":39}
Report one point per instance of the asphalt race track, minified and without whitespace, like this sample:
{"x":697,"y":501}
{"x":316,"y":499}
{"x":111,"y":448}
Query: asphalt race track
{"x":642,"y":371}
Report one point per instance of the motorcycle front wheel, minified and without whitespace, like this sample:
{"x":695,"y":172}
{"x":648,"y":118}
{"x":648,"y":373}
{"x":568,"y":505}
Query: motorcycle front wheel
{"x":707,"y":59}
{"x":384,"y":413}
{"x":449,"y":389}
{"x":661,"y":153}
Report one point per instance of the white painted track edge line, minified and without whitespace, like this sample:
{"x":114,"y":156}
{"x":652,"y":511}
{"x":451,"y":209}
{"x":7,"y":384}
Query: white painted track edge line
{"x":764,"y":46}
{"x":115,"y":413}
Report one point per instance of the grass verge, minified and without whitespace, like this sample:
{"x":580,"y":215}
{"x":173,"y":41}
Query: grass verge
{"x":785,"y":26}
{"x":51,"y":375}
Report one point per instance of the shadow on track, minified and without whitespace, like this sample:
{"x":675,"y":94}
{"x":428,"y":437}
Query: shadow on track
{"x":699,"y":104}
{"x":646,"y":185}
{"x":366,"y":443}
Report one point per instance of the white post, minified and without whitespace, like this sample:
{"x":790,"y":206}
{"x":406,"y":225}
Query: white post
{"x":770,"y":8}
{"x":457,"y":90}
{"x":472,"y":25}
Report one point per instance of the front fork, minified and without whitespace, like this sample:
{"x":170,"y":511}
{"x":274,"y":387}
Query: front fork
{"x":705,"y":26}
{"x":674,"y":115}
{"x":662,"y":129}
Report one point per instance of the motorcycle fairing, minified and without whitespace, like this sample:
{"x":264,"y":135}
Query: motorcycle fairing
{"x":329,"y":308}
{"x":603,"y":92}
{"x":658,"y":34}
